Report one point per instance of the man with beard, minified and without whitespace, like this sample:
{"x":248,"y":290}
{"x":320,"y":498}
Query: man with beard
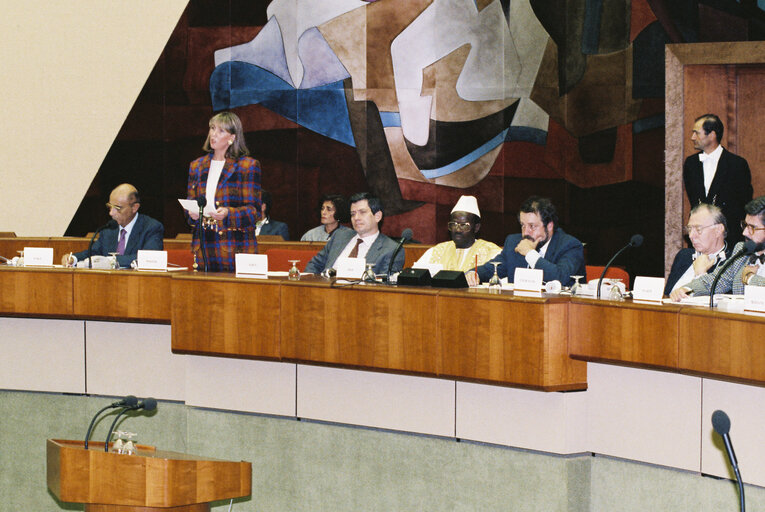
{"x":541,"y":244}
{"x":464,"y":252}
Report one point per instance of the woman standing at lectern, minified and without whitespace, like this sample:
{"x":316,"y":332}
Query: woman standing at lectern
{"x":230,"y":181}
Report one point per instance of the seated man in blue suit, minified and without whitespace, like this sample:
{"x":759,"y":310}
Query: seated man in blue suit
{"x":707,"y":230}
{"x":131,"y":233}
{"x":541,"y":244}
{"x":268,"y":226}
{"x":365,"y":241}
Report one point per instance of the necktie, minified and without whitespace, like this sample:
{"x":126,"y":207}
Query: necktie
{"x":121,"y":243}
{"x":355,"y":252}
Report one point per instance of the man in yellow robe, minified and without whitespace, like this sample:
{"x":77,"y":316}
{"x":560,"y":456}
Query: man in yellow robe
{"x":464,"y":252}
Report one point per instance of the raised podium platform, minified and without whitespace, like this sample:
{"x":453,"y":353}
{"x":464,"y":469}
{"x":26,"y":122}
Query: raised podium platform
{"x":150,"y":480}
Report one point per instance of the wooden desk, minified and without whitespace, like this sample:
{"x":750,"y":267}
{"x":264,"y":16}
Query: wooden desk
{"x":122,"y":295}
{"x":45,"y":292}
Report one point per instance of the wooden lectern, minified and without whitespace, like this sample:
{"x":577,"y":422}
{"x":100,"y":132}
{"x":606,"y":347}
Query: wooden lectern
{"x":150,"y":480}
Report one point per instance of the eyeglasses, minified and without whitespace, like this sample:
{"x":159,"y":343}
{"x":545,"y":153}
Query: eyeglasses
{"x":698,"y":229}
{"x":117,"y":207}
{"x":748,"y":227}
{"x":459,"y":227}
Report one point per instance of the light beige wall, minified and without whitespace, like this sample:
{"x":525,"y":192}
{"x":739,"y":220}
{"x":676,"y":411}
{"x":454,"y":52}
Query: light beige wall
{"x":71,"y":72}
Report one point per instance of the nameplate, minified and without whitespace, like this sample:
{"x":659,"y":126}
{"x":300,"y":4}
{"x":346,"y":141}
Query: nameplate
{"x":251,"y":264}
{"x":350,"y":268}
{"x":151,"y":260}
{"x":433,"y":268}
{"x":648,"y":288}
{"x":38,"y":256}
{"x":528,"y":279}
{"x":754,"y":298}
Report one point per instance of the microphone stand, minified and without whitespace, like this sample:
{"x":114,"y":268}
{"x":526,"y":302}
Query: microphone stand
{"x":405,"y":236}
{"x":92,"y":239}
{"x":202,"y":202}
{"x":636,"y":241}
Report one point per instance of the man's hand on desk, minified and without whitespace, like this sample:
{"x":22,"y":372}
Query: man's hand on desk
{"x":680,"y":294}
{"x":472,"y":278}
{"x":67,"y":260}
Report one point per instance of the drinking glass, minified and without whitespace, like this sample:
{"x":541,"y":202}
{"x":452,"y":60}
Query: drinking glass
{"x":495,"y":285}
{"x":113,"y":260}
{"x":615,"y":293}
{"x":294,"y":273}
{"x":369,"y":274}
{"x":576,"y":287}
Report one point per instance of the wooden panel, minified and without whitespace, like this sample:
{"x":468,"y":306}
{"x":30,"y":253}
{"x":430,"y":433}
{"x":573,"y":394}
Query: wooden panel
{"x":122,"y":295}
{"x":42,"y":292}
{"x":500,"y":338}
{"x":221,"y":314}
{"x":750,"y":115}
{"x":368,"y":326}
{"x":637,"y":334}
{"x":722,"y":344}
{"x":149,"y":478}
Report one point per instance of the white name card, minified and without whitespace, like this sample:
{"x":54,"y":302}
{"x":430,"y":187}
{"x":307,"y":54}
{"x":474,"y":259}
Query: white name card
{"x":754,"y":298}
{"x":528,"y":279}
{"x":648,"y":288}
{"x":252,"y":264}
{"x":38,"y":256}
{"x":152,"y":260}
{"x":350,"y":268}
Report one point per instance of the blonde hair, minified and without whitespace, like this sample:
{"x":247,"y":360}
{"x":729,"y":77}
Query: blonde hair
{"x":229,"y":122}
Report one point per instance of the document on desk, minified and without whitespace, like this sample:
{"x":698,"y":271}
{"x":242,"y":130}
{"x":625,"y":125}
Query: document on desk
{"x":703,"y":300}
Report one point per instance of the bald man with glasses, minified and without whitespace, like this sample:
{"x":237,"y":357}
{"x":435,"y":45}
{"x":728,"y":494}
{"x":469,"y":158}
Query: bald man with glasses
{"x":133,"y":231}
{"x":746,"y":271}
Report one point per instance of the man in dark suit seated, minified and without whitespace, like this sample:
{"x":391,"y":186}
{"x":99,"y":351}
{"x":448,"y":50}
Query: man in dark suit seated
{"x":365,"y":241}
{"x":706,"y":229}
{"x":717,"y":176}
{"x":268,"y":226}
{"x":541,"y":244}
{"x":132,"y":233}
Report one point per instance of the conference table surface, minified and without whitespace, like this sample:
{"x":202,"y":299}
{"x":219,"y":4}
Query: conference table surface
{"x":540,"y":342}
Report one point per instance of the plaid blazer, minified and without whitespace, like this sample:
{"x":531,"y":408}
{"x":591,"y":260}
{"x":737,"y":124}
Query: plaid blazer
{"x":730,"y":281}
{"x":239,"y":191}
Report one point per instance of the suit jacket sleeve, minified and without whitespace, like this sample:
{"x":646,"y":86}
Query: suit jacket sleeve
{"x":383,"y":256}
{"x":242,"y":196}
{"x":319,"y":262}
{"x":679,"y":266}
{"x":702,"y":285}
{"x":564,"y":258}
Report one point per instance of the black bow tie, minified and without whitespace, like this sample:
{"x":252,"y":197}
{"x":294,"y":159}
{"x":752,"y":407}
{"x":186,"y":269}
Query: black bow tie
{"x":754,"y":258}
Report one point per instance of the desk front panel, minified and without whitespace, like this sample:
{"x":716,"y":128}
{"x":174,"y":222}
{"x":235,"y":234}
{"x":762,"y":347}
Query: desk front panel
{"x":370,"y":326}
{"x":626,"y":332}
{"x":723,"y":344}
{"x":219,"y":314}
{"x":122,"y":295}
{"x":40,"y":292}
{"x":506,"y":339}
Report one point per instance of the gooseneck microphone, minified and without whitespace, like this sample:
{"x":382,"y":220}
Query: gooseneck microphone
{"x":406,"y":235}
{"x":721,"y":424}
{"x":635,"y":241}
{"x":148,"y":404}
{"x":202,"y":202}
{"x":750,"y":247}
{"x":112,"y":224}
{"x":127,"y":402}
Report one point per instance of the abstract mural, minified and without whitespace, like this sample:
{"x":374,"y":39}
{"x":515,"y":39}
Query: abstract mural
{"x":421,"y":101}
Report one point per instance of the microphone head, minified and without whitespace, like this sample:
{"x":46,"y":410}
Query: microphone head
{"x":112,"y":224}
{"x":202,"y":201}
{"x":130,"y":401}
{"x":636,"y":240}
{"x":406,"y":234}
{"x":750,"y":246}
{"x":148,"y":404}
{"x":721,"y":422}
